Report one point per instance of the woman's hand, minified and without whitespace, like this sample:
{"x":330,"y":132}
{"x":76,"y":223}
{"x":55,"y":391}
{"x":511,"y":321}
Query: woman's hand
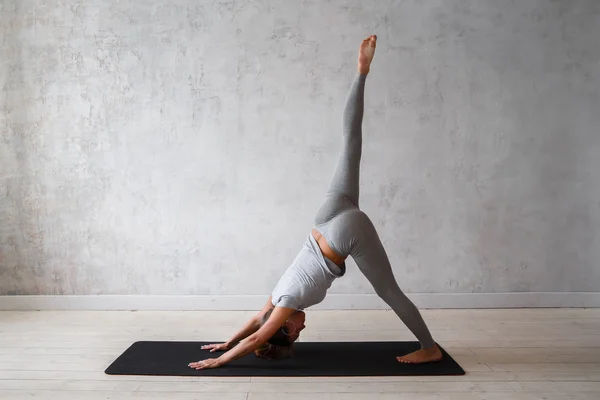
{"x":216,"y":347}
{"x":206,"y":364}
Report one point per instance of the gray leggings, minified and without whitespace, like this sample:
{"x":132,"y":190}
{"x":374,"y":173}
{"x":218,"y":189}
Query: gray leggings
{"x":350,"y":232}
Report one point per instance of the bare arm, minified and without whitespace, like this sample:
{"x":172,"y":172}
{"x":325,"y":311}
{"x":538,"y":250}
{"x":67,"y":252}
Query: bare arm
{"x":257,"y":339}
{"x":249,"y":328}
{"x":252,"y":342}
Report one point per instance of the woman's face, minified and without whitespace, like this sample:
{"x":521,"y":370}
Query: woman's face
{"x":294,"y":325}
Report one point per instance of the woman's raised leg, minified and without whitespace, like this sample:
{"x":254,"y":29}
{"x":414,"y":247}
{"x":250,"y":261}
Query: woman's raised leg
{"x":343,"y":192}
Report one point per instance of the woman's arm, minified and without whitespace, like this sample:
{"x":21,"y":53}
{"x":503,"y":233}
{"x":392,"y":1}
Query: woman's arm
{"x":251,"y":343}
{"x":249,"y":328}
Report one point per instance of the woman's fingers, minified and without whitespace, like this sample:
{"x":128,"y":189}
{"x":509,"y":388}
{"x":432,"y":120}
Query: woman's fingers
{"x":197,"y":365}
{"x":213,"y":347}
{"x":210,"y":363}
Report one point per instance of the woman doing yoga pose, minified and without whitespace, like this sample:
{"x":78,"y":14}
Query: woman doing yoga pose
{"x":341,"y":229}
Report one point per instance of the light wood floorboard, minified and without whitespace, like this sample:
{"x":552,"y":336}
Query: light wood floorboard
{"x":516,"y":354}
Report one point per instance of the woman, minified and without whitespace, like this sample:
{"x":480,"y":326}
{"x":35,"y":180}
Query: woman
{"x":341,"y":230}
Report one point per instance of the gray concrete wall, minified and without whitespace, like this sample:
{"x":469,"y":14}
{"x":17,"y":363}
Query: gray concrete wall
{"x":153,"y":147}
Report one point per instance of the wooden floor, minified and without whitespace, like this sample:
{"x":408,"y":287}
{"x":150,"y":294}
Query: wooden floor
{"x":508,"y":354}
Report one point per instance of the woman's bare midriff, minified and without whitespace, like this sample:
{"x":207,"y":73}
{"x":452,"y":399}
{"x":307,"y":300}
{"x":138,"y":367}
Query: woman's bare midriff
{"x":326,"y":250}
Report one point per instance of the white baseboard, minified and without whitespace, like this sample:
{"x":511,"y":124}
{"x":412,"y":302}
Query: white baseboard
{"x":332,"y":302}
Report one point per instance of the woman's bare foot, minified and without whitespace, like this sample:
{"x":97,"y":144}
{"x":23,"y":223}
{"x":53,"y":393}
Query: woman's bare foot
{"x":366,"y":53}
{"x":422,"y":356}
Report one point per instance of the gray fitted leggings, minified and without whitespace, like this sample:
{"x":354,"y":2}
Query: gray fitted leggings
{"x":350,"y":232}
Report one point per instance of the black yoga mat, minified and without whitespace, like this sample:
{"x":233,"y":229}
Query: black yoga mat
{"x":310,"y":359}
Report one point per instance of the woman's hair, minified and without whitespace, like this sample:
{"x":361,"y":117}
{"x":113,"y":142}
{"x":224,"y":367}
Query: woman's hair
{"x":278,"y":347}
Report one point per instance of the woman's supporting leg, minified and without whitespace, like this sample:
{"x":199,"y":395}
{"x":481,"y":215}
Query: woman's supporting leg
{"x":371,"y":258}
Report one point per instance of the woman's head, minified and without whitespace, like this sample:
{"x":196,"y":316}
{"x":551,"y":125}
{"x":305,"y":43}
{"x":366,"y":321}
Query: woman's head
{"x":280,"y":345}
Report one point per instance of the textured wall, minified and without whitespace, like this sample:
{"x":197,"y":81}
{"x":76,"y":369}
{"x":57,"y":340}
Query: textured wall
{"x":153,"y":147}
